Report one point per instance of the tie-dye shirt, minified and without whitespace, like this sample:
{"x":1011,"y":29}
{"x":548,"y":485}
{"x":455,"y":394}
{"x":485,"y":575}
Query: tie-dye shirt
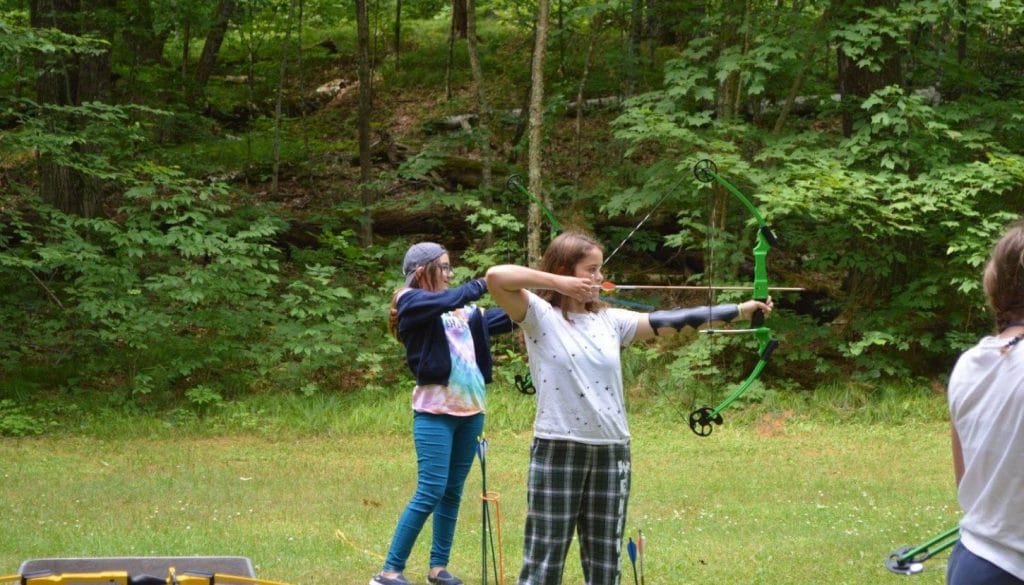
{"x":464,"y":394}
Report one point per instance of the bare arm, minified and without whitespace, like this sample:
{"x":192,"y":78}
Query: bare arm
{"x":958,"y":455}
{"x":507,"y":284}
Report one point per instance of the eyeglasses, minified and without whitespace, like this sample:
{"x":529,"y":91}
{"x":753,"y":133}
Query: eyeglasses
{"x":447,"y":268}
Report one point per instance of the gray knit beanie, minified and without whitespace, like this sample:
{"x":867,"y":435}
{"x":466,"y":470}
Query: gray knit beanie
{"x":419,"y":255}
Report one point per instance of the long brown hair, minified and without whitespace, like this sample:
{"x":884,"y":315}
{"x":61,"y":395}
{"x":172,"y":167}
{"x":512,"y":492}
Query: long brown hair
{"x":430,"y":279}
{"x":1004,"y":277}
{"x":561,"y":257}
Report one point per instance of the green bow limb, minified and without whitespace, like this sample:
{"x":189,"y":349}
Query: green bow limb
{"x":702,"y":420}
{"x":515,"y":183}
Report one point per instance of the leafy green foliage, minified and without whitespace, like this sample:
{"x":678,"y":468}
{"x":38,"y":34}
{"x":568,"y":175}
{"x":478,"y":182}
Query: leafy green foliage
{"x":869,"y":214}
{"x":177,"y":294}
{"x":18,"y":39}
{"x":174,"y":269}
{"x":15,"y":421}
{"x":314,"y":329}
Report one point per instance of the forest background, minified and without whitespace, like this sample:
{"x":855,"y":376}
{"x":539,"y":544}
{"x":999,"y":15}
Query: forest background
{"x":203,"y":203}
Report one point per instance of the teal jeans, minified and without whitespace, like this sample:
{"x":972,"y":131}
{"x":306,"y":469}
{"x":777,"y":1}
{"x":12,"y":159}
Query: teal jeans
{"x":445,"y":447}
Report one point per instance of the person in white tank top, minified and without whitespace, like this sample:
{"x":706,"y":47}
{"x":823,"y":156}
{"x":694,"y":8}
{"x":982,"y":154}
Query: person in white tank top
{"x":986,"y":406}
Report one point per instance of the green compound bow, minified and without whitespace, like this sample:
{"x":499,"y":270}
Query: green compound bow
{"x":702,"y":420}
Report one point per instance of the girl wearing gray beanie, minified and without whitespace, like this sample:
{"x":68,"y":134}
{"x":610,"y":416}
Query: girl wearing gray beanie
{"x":447,"y":349}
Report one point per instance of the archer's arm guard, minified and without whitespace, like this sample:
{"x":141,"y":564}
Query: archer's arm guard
{"x":693,"y":317}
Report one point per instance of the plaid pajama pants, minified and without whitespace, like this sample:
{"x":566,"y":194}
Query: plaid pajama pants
{"x":575,"y":487}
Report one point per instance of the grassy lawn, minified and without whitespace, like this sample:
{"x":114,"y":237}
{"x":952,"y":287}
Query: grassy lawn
{"x":778,"y":501}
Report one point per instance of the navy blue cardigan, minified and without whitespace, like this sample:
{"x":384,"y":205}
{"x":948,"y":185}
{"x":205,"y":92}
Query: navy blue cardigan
{"x":421,"y":330}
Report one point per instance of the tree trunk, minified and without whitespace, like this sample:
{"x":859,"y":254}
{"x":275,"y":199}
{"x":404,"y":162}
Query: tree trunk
{"x":635,"y":37}
{"x":398,"y":35}
{"x":53,"y":86}
{"x":962,"y":29}
{"x":299,"y":66}
{"x":77,"y":80}
{"x":737,"y":106}
{"x":595,"y":29}
{"x":533,"y":249}
{"x":145,"y":48}
{"x":94,"y":73}
{"x":282,"y":72}
{"x":523,"y":120}
{"x":856,"y":83}
{"x":805,"y":64}
{"x":459,"y":15}
{"x":726,"y":108}
{"x":794,"y":89}
{"x":142,"y":42}
{"x":562,"y":35}
{"x":482,"y":109}
{"x":214,"y":39}
{"x":728,"y":88}
{"x":186,"y":48}
{"x":653,"y":31}
{"x":449,"y":60}
{"x":365,"y":107}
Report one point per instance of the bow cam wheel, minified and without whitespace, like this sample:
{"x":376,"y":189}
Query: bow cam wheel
{"x":702,"y":423}
{"x":705,"y":170}
{"x":904,"y":566}
{"x":514,"y":183}
{"x":524,"y":383}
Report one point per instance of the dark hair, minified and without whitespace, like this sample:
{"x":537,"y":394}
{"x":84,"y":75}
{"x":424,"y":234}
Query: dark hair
{"x":1003,"y":278}
{"x":561,"y":257}
{"x":429,"y":279}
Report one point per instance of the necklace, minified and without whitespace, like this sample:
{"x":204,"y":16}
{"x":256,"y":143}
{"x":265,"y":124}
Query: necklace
{"x":1016,"y":338}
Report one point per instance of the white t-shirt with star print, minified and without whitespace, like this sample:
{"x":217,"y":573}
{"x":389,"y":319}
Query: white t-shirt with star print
{"x":577,"y":370}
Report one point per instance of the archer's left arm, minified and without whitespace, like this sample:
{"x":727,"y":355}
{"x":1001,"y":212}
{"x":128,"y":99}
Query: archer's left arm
{"x":674,"y":320}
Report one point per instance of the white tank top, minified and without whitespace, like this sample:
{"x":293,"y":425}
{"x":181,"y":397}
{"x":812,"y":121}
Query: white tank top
{"x":986,"y":404}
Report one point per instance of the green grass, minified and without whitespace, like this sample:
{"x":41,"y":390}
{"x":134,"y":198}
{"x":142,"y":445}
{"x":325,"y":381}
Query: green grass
{"x":774,"y":497}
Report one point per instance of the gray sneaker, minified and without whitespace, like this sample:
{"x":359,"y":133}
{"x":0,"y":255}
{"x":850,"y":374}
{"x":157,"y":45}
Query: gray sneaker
{"x":443,"y":578}
{"x":380,"y":579}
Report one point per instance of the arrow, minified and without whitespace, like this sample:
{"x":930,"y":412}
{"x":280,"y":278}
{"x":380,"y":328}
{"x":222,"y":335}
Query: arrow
{"x":631,"y":549}
{"x":610,"y":286}
{"x":641,"y":545}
